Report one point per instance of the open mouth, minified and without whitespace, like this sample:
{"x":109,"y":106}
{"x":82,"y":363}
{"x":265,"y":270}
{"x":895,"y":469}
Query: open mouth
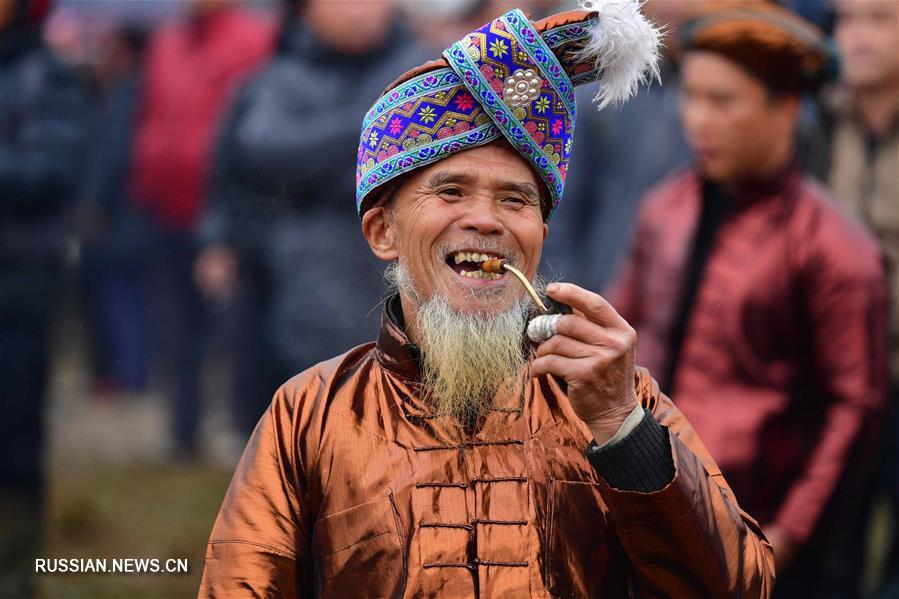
{"x":468,"y":264}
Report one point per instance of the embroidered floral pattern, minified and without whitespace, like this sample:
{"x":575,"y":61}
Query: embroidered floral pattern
{"x":498,"y":48}
{"x":426,"y":114}
{"x":464,"y":102}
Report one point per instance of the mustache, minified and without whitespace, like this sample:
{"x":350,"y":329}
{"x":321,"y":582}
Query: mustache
{"x":479,"y":244}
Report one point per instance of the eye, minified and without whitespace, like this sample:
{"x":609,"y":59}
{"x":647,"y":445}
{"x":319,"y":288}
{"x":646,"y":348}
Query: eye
{"x":515,"y":202}
{"x":721,"y":100}
{"x":450,"y":192}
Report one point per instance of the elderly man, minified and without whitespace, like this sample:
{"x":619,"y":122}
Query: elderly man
{"x":450,"y":458}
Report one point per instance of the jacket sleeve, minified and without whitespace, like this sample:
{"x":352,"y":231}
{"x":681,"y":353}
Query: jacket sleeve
{"x":259,"y":546}
{"x":234,"y":215}
{"x":845,"y":305}
{"x":689,"y":538}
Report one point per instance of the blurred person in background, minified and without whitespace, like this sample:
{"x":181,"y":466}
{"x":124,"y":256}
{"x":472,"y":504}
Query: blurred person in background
{"x":193,"y":65}
{"x":43,"y":121}
{"x":278,"y":230}
{"x":864,"y":174}
{"x":593,"y":235}
{"x":116,"y":238}
{"x":761,"y":305}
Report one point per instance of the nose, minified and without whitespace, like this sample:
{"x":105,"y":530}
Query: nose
{"x":481,"y":217}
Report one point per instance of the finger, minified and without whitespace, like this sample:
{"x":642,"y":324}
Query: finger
{"x":566,"y":368}
{"x":593,"y":305}
{"x":614,"y":340}
{"x":580,"y":328}
{"x":567,"y":347}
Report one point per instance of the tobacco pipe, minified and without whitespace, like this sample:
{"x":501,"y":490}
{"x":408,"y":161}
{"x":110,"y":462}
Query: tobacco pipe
{"x":544,"y":302}
{"x":498,"y":265}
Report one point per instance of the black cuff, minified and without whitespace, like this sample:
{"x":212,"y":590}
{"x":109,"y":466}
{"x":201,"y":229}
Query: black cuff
{"x":640,"y":462}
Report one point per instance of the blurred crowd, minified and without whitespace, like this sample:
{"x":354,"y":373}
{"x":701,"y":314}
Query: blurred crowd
{"x":192,"y":163}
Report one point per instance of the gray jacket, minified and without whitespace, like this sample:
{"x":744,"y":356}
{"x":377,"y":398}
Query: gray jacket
{"x":283,"y":189}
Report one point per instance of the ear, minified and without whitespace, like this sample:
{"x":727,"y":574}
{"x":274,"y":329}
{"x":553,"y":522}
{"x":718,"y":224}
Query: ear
{"x":789,"y":107}
{"x":380,"y":233}
{"x":545,"y":231}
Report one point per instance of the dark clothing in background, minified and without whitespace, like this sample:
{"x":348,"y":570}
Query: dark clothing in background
{"x":193,"y":67}
{"x":715,"y":205}
{"x":282,"y":197}
{"x":115,"y":257}
{"x":782,"y":361}
{"x":863,"y":175}
{"x":43,"y":110}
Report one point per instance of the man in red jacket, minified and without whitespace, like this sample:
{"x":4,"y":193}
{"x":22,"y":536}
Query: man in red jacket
{"x":760,"y":304}
{"x":192,"y":67}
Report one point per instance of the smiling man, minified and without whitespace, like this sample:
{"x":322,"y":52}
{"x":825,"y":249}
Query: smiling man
{"x":452,"y":457}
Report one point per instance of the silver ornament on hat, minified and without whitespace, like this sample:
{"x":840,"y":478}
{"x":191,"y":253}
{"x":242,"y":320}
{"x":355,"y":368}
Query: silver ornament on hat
{"x":521,"y":88}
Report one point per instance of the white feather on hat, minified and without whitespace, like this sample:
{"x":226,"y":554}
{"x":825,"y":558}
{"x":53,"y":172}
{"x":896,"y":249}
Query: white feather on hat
{"x":625,"y":47}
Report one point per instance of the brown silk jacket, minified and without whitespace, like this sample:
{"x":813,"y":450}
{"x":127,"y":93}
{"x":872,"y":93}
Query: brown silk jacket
{"x":349,"y":487}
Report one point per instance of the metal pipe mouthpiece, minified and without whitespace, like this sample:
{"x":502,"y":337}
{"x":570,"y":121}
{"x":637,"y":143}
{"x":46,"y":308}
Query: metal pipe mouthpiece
{"x":497,"y":265}
{"x":494,"y":265}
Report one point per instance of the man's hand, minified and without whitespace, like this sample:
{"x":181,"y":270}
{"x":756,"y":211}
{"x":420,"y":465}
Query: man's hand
{"x":593,"y":351}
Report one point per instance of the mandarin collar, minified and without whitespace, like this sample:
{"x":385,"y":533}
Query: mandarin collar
{"x":752,"y":191}
{"x":395,"y":351}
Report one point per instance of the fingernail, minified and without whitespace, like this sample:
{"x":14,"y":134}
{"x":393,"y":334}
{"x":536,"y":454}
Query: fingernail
{"x":552,"y":288}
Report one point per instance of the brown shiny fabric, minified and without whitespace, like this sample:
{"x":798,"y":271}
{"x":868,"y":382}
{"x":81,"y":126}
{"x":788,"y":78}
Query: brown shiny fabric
{"x":350,"y":487}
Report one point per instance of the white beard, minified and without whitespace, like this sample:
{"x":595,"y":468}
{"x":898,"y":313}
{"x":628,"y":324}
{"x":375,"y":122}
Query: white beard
{"x":467,"y":359}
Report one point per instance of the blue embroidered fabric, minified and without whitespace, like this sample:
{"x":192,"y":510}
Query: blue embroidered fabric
{"x":504,"y":79}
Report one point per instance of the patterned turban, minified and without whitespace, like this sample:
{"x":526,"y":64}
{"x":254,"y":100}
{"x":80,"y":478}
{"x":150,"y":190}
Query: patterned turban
{"x":511,"y":79}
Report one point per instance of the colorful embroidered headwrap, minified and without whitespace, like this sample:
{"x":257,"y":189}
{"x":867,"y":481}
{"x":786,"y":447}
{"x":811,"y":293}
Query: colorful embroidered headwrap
{"x":513,"y":79}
